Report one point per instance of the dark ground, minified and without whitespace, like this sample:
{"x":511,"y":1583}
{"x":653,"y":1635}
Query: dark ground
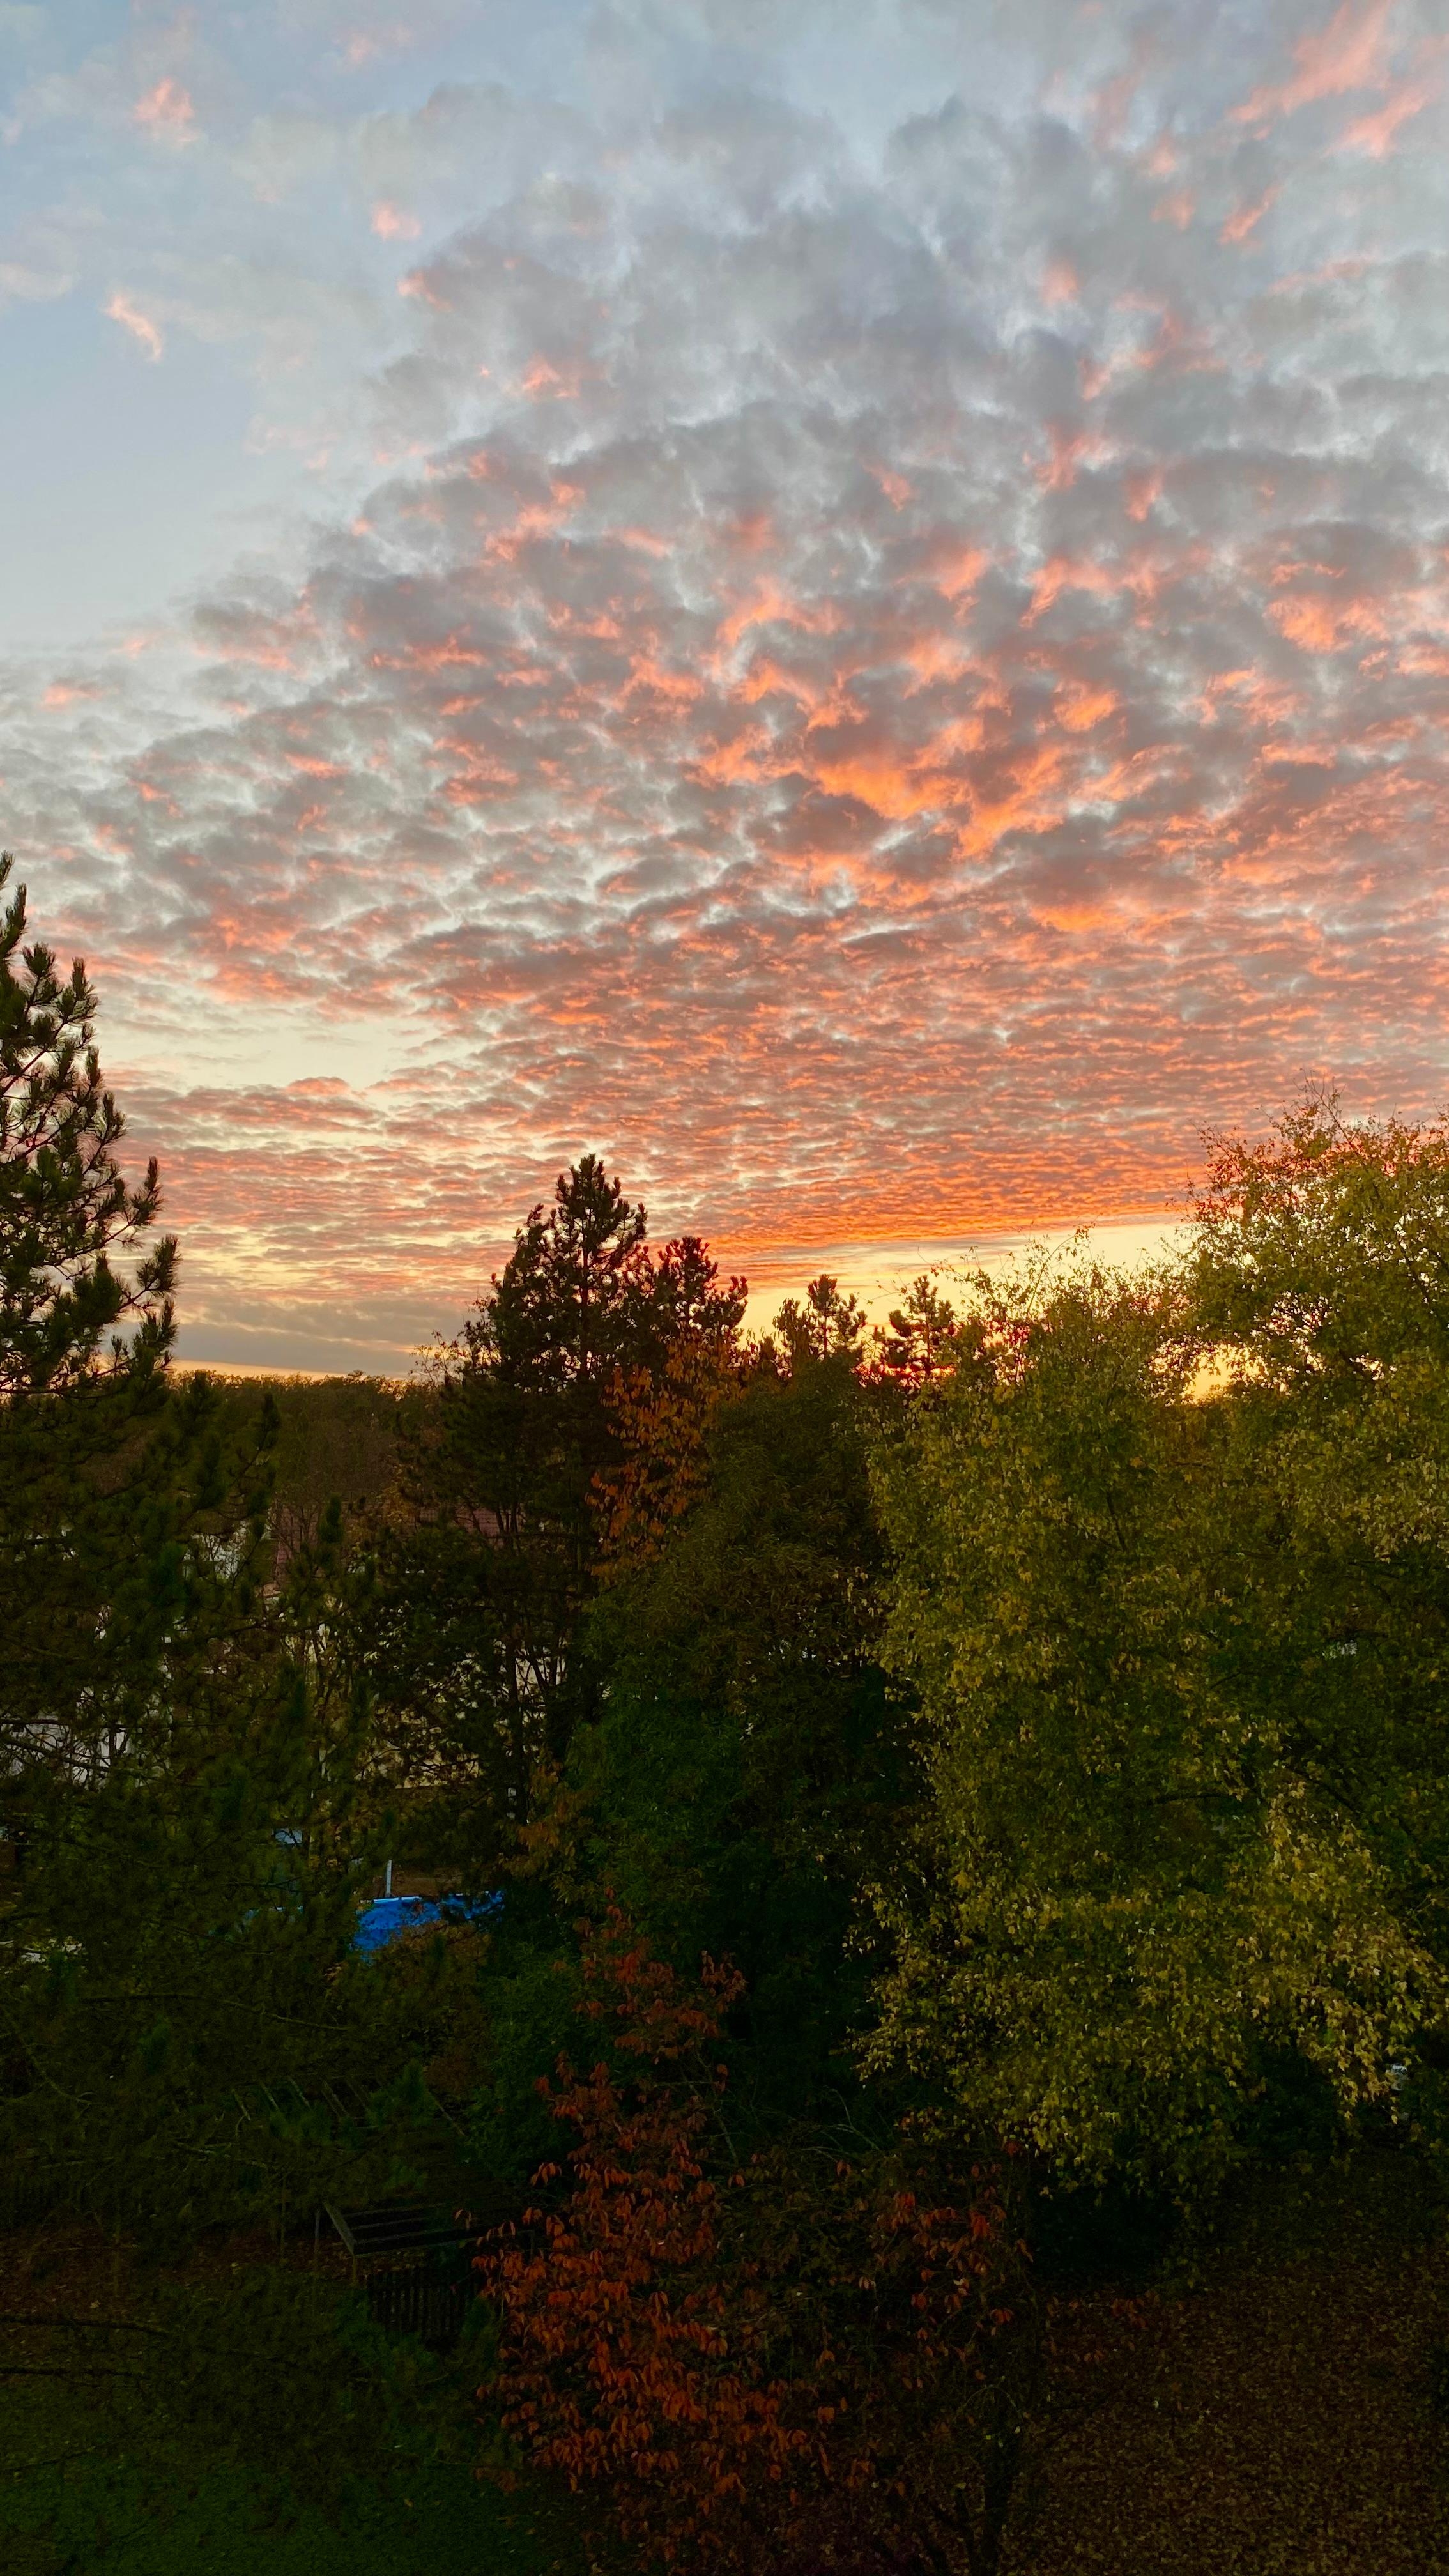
{"x":1281,"y":2416}
{"x":1276,"y":2405}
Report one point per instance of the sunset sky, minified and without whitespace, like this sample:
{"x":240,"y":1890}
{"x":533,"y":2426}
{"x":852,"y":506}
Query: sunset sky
{"x":845,"y":601}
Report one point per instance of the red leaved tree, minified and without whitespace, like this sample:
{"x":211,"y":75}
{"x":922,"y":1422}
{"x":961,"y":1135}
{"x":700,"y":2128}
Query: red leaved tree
{"x":809,"y":2365}
{"x":616,"y":2364}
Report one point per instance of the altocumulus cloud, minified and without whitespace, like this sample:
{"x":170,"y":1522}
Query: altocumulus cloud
{"x":888,"y":669}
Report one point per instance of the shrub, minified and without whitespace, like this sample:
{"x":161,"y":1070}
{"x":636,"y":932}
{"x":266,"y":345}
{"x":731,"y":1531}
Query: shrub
{"x":805,"y":2363}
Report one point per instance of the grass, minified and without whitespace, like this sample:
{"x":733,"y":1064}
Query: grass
{"x":100,"y":2468}
{"x":70,"y":2503}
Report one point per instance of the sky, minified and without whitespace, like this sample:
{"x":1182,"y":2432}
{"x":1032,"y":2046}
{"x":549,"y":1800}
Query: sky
{"x":843,"y":601}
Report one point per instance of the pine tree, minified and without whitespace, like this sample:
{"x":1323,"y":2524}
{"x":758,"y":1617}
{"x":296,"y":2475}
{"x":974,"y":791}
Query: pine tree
{"x":65,"y":1207}
{"x":510,"y":1481}
{"x":128,"y":1526}
{"x":180,"y":1742}
{"x":828,"y":1325}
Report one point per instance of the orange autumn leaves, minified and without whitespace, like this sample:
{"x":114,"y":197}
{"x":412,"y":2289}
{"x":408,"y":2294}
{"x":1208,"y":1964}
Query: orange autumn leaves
{"x":792,"y":2360}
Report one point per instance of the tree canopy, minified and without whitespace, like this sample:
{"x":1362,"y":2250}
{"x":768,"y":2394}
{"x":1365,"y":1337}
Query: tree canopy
{"x":1004,"y":1747}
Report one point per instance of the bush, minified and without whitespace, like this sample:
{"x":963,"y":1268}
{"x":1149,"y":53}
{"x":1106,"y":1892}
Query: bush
{"x":807,"y":2364}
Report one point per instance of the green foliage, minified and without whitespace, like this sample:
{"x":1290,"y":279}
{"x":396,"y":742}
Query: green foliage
{"x":281,"y":2369}
{"x":130,"y":1540}
{"x":745,"y":1772}
{"x":532,"y":1994}
{"x":1174,"y":1841}
{"x":176,"y":2001}
{"x":337,"y":1441}
{"x":250,"y":2418}
{"x":186,"y":2032}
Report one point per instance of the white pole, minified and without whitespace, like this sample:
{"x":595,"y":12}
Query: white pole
{"x":387,"y":1891}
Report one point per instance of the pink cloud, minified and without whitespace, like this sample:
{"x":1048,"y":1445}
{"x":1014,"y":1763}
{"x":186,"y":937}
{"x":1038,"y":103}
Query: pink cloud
{"x":394,"y":223}
{"x":1177,"y":209}
{"x":884,"y":709}
{"x":1350,"y":53}
{"x":1375,"y":134}
{"x":1245,"y":219}
{"x":120,"y":308}
{"x":166,"y":112}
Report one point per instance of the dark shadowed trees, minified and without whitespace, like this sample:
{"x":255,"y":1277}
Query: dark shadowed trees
{"x":479,"y":1654}
{"x":827,"y":1324}
{"x":745,"y":1774}
{"x":120,"y":1508}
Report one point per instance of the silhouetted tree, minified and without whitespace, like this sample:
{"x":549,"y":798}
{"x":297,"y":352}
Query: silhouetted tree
{"x":65,"y":1206}
{"x":827,"y":1326}
{"x":478,"y":1655}
{"x":920,"y":1335}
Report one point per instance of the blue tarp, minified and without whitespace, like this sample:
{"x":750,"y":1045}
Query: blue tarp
{"x":388,"y":1917}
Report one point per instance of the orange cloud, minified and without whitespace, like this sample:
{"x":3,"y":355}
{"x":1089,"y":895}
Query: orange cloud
{"x":544,"y":382}
{"x":1321,"y":624}
{"x":956,"y":573}
{"x":1075,"y":916}
{"x":419,"y":285}
{"x":935,"y":657}
{"x":1069,"y":447}
{"x":1064,"y":572}
{"x":1080,"y":708}
{"x":1023,"y":807}
{"x":771,"y":605}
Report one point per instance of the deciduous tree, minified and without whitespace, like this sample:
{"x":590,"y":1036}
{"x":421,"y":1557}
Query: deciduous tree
{"x":1174,"y":1848}
{"x":798,"y":2365}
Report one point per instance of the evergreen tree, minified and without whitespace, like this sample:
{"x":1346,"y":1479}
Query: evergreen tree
{"x":65,"y":1206}
{"x":825,"y":1327}
{"x":478,"y":1654}
{"x":163,"y":1718}
{"x":920,"y":1338}
{"x":116,"y":1505}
